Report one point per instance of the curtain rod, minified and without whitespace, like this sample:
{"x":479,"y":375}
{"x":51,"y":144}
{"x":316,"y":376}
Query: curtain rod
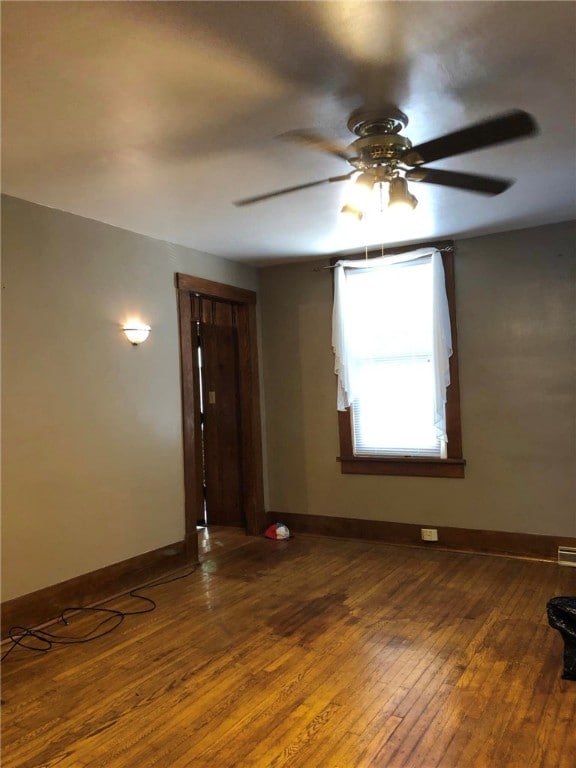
{"x":447,"y":248}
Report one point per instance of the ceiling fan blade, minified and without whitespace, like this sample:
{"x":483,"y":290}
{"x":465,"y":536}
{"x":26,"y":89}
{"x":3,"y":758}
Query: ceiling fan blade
{"x":496,"y":130}
{"x":268,"y":195}
{"x":485,"y":185}
{"x":315,"y":141}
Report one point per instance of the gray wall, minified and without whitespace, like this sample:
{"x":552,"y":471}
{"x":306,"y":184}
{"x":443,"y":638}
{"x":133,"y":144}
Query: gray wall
{"x":91,"y":427}
{"x":516,"y":299}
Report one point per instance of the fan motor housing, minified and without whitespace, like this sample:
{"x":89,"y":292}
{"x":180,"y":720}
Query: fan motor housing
{"x":375,"y":150}
{"x":366,"y":122}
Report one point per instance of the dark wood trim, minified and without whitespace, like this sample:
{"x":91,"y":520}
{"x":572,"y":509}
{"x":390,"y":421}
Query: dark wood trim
{"x":459,"y":539}
{"x":453,"y":466}
{"x":453,"y":419}
{"x":252,"y":469}
{"x":345,"y":432}
{"x":412,"y":466}
{"x":45,"y":604}
{"x":213,"y":290}
{"x":252,"y":473}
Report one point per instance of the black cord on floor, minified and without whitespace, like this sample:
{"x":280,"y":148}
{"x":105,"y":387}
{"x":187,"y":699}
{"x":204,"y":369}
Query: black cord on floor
{"x":42,"y":641}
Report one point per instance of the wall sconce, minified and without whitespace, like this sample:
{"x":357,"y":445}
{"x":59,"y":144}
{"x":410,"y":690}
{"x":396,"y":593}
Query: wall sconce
{"x":136,"y":332}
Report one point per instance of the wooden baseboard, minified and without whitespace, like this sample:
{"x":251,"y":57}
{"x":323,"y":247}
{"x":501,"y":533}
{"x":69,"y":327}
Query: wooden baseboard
{"x":45,"y":604}
{"x":460,"y":539}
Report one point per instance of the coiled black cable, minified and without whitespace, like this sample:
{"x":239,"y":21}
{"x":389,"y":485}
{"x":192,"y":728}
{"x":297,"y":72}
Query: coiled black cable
{"x":42,"y":641}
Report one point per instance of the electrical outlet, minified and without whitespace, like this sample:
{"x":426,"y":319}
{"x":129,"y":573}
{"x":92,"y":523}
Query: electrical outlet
{"x":429,"y":534}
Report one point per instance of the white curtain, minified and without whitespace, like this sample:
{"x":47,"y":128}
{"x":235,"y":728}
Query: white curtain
{"x":345,"y":367}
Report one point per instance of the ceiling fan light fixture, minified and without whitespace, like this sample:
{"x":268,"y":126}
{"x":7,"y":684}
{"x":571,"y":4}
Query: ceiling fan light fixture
{"x":399,"y":195}
{"x":351,"y":213}
{"x":358,"y":193}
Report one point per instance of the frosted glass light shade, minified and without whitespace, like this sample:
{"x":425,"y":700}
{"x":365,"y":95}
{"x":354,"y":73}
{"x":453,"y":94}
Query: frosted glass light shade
{"x":136,"y":332}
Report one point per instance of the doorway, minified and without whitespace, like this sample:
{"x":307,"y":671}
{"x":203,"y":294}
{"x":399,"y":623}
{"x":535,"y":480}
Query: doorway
{"x":221,"y":407}
{"x":219,"y":392}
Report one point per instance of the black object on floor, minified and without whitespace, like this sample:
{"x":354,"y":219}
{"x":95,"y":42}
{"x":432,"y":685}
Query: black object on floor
{"x":562,"y":616}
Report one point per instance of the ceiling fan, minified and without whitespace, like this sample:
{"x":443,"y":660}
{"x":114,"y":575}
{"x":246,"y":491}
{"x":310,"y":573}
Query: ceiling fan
{"x":381,"y":154}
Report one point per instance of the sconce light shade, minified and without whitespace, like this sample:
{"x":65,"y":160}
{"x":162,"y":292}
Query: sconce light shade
{"x":136,"y":332}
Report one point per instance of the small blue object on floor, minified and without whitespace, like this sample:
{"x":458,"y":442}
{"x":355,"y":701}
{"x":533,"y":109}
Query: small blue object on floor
{"x":562,"y":616}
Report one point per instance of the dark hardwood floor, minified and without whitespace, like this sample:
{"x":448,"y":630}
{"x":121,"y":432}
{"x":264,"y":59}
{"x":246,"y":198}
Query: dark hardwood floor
{"x":310,"y":652}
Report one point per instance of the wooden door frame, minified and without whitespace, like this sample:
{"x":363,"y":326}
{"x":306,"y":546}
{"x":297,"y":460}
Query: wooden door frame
{"x":250,"y":422}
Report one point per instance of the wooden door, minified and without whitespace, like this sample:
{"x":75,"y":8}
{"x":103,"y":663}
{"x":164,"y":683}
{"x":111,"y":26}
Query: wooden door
{"x":221,"y":423}
{"x":204,"y":302}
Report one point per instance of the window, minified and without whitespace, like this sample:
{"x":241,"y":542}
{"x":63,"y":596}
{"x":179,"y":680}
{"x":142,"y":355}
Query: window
{"x":394,"y":336}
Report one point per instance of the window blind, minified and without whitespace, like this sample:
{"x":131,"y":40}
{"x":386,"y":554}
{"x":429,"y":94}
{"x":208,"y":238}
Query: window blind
{"x":394,"y":412}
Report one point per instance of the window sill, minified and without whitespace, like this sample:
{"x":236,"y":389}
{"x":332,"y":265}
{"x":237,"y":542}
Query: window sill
{"x":415,"y":467}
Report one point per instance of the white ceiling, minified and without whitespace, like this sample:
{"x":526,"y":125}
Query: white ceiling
{"x":156,"y":116}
